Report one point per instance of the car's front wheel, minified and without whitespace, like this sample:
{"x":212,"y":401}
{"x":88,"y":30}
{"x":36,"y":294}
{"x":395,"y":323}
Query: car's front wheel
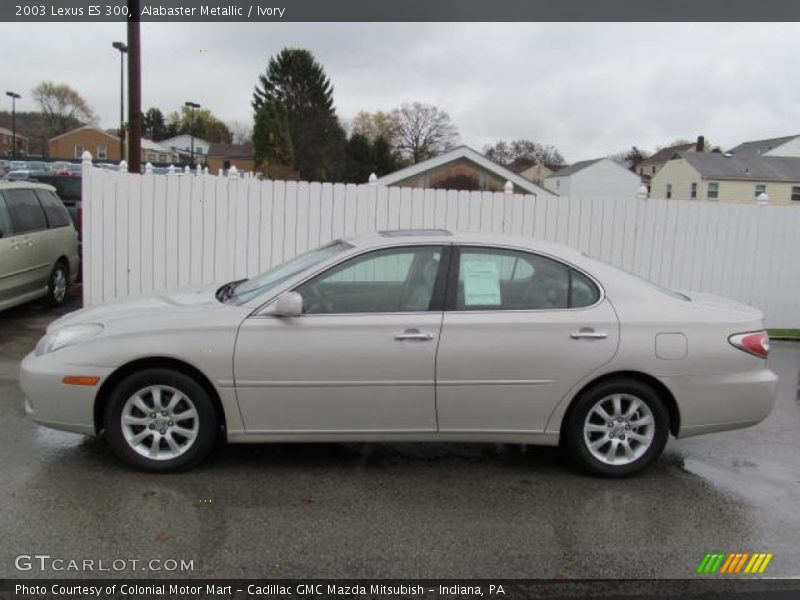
{"x":160,"y":420}
{"x":617,"y":428}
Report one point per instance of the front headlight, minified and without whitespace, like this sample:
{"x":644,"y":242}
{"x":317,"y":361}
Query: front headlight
{"x":67,"y":336}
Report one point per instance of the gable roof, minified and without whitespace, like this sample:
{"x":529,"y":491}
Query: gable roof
{"x":231,"y":150}
{"x":158,"y":147}
{"x":758,"y":147}
{"x":755,"y":168}
{"x":471,"y":155}
{"x":667,"y":153}
{"x":574,"y":168}
{"x":97,"y":129}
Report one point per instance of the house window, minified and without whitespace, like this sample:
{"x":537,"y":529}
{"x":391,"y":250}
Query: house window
{"x":78,"y":151}
{"x":760,"y":189}
{"x":102,"y":151}
{"x":796,"y":193}
{"x":693,"y":194}
{"x":713,"y":190}
{"x":654,"y":169}
{"x":669,"y":190}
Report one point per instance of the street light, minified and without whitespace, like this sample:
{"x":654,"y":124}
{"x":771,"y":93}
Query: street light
{"x":192,"y":105}
{"x":123,"y":49}
{"x":14,"y":97}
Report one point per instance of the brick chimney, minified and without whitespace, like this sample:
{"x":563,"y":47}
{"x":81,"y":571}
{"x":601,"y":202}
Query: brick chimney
{"x":701,"y":144}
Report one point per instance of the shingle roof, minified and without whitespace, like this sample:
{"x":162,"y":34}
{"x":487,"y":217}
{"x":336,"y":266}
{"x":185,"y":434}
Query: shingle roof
{"x":755,"y":168}
{"x":230,"y":150}
{"x":667,"y":153}
{"x":758,"y":147}
{"x":574,"y":168}
{"x":9,"y":132}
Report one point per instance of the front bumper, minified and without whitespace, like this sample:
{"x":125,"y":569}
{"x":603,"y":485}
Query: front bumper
{"x":53,"y":404}
{"x":722,"y":402}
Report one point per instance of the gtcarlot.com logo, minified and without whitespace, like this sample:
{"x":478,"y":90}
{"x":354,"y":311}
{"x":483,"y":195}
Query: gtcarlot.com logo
{"x":734,"y":563}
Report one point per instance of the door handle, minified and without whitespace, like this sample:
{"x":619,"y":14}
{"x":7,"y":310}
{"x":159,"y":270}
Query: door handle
{"x":588,"y":334}
{"x":414,"y":334}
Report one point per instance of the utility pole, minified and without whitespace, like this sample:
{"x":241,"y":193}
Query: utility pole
{"x":122,"y":50}
{"x":134,"y":89}
{"x":14,"y":97}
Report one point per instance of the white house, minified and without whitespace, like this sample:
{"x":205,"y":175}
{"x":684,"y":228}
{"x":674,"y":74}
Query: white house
{"x":598,"y":177}
{"x":182,"y":144}
{"x":783,"y":146}
{"x":158,"y":152}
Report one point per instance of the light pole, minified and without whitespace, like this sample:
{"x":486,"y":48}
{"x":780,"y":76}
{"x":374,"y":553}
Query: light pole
{"x":123,"y":49}
{"x":192,"y":105}
{"x":14,"y":97}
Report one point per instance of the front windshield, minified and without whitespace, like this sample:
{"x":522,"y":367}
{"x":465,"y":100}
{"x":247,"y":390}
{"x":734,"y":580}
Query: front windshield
{"x":267,"y":280}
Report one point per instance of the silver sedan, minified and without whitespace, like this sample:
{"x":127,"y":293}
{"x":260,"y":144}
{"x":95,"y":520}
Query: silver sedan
{"x":408,"y":336}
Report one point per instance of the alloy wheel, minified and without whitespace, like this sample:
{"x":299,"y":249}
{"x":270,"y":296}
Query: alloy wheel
{"x":160,"y":422}
{"x":619,"y":429}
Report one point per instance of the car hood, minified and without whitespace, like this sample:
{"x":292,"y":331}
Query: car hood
{"x":162,"y":305}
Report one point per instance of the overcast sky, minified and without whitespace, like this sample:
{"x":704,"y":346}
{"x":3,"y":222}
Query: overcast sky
{"x":589,"y":89}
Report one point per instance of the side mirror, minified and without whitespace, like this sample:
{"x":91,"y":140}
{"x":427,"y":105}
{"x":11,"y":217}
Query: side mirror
{"x":289,"y":304}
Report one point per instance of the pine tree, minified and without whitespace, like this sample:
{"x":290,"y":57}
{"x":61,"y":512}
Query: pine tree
{"x":297,"y":81}
{"x":272,"y":142}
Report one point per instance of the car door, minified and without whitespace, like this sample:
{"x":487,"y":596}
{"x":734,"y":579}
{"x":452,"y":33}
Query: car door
{"x":361,"y":357}
{"x":27,"y":252}
{"x":519,"y":331}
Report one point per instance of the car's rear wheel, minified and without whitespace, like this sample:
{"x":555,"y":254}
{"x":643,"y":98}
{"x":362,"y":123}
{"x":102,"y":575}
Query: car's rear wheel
{"x":58,"y":285}
{"x":160,"y":420}
{"x":617,"y":428}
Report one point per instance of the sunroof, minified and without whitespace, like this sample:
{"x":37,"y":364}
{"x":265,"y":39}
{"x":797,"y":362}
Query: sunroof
{"x":415,"y":233}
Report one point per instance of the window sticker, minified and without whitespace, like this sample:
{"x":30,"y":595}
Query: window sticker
{"x":481,"y":283}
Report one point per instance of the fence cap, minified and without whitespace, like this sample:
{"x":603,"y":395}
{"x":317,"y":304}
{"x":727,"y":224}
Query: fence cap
{"x":373,"y":179}
{"x":123,"y":166}
{"x":86,"y":157}
{"x":509,"y":187}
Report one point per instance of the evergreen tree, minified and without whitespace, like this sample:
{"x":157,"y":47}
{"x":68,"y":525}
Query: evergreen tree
{"x":272,"y":142}
{"x":295,"y":79}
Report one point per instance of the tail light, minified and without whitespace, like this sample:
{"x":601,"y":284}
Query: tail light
{"x":753,"y":342}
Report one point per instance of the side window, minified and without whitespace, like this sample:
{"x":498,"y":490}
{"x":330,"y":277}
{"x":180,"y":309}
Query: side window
{"x":6,"y":228}
{"x":26,"y":212}
{"x":393,"y":280}
{"x":57,"y":215}
{"x":583,"y":291}
{"x":498,"y":279}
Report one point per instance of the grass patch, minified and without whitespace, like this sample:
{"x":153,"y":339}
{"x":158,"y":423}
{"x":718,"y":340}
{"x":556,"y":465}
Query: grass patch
{"x":795,"y":333}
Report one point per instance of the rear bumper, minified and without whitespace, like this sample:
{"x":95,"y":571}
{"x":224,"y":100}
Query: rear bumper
{"x":722,"y":402}
{"x":53,"y":404}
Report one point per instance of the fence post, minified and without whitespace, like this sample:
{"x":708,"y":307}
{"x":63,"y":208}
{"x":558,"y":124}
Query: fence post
{"x":373,"y":179}
{"x":187,"y":170}
{"x":148,"y":168}
{"x":509,"y":187}
{"x":87,"y":202}
{"x":171,"y":169}
{"x":233,"y":171}
{"x":199,"y":169}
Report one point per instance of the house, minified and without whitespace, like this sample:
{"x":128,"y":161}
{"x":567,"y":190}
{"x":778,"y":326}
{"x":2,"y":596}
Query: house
{"x":71,"y":145}
{"x":7,"y":142}
{"x":536,"y":172}
{"x":597,"y":177}
{"x":461,"y":169}
{"x":728,"y":178}
{"x":156,"y":152}
{"x":224,"y":156}
{"x":783,"y":146}
{"x":182,"y":144}
{"x":650,"y":166}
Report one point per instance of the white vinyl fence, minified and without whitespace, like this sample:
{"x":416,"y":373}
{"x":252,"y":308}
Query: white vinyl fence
{"x":149,"y":233}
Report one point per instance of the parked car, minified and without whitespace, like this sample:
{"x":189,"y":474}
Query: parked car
{"x":408,"y":336}
{"x":38,"y":245}
{"x":26,"y":174}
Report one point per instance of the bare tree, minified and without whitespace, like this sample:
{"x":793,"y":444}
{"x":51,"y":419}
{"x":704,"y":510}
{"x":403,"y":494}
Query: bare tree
{"x":241,"y":132}
{"x":422,"y":131}
{"x":523,"y":152}
{"x":62,"y":106}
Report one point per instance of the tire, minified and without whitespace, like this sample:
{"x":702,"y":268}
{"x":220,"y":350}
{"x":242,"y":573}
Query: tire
{"x":632,"y":441}
{"x":58,"y":285}
{"x":176,"y":437}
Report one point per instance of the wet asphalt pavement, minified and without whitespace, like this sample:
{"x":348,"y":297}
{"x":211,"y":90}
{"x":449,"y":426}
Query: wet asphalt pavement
{"x":396,"y":510}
